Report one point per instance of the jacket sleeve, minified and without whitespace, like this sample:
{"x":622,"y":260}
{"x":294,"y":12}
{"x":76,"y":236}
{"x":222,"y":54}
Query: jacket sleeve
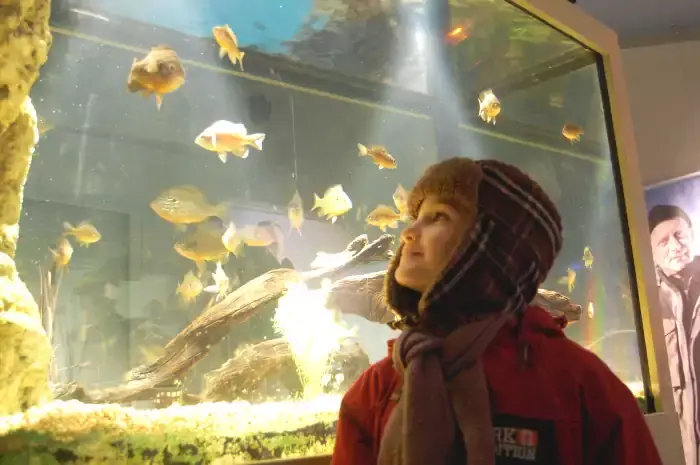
{"x":615,"y":431}
{"x":354,"y":443}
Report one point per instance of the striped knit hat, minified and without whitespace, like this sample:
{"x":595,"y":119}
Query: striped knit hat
{"x":501,"y":262}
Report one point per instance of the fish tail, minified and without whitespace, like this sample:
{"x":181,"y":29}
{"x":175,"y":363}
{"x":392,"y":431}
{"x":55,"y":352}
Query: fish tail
{"x":256,"y":140}
{"x":222,"y":52}
{"x":68,"y":227}
{"x":318,"y":202}
{"x":363,"y":150}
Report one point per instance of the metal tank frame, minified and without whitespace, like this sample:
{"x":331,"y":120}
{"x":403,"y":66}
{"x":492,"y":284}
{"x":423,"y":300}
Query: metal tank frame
{"x":571,"y":20}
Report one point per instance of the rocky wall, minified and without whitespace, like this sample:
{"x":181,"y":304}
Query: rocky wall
{"x":25,"y":40}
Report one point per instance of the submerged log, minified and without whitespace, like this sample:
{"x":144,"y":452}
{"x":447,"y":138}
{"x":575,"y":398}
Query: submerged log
{"x":194,"y":342}
{"x":244,"y":376}
{"x":362,"y":295}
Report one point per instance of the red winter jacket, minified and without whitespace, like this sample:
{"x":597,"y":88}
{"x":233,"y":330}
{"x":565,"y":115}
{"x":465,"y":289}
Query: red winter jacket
{"x":563,"y":407}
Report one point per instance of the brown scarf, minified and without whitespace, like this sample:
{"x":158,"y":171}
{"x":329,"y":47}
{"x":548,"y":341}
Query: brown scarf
{"x":444,"y":393}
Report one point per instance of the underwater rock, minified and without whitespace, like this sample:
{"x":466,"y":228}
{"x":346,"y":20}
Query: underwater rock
{"x":25,"y":40}
{"x":260,"y":371}
{"x":73,"y":432}
{"x":362,"y":295}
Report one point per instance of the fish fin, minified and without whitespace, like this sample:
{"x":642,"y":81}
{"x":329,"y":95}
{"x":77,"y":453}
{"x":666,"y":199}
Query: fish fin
{"x":318,"y":202}
{"x":53,"y":252}
{"x":180,"y":227}
{"x":363,"y":150}
{"x":298,"y":230}
{"x":240,"y":59}
{"x":212,"y":289}
{"x":68,"y":227}
{"x":201,"y":267}
{"x":159,"y":101}
{"x":380,"y":167}
{"x":245,"y":153}
{"x":333,"y":219}
{"x":394,"y":224}
{"x":222,"y":156}
{"x":151,"y":66}
{"x":222,"y":52}
{"x":256,"y":140}
{"x":383,"y":228}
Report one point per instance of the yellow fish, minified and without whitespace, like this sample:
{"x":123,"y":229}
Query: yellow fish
{"x":190,"y":287}
{"x":591,"y":310}
{"x":587,"y":258}
{"x":334,"y":203}
{"x":204,"y":245}
{"x":295,"y":212}
{"x":572,"y":132}
{"x":489,"y":106}
{"x":255,"y":236}
{"x":569,"y":279}
{"x":160,"y":72}
{"x":228,"y":44}
{"x":62,"y":253}
{"x":186,"y":205}
{"x":400,"y":198}
{"x":231,"y":241}
{"x":224,"y":137}
{"x":379,"y":155}
{"x":383,"y":217}
{"x":85,"y":233}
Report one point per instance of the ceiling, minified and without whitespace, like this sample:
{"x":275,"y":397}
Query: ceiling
{"x":647,"y":22}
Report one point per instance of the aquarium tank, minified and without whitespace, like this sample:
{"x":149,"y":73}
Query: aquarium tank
{"x":217,"y":189}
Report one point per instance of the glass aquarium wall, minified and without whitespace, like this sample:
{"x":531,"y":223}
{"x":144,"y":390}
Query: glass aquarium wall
{"x":218,"y":188}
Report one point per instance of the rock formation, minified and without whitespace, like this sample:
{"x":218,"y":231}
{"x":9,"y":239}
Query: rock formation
{"x":25,"y":40}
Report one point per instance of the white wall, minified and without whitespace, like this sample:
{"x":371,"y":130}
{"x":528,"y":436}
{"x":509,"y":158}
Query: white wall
{"x":663,"y":83}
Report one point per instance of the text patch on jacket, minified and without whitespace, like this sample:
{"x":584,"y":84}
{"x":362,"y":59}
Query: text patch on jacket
{"x":524,"y":440}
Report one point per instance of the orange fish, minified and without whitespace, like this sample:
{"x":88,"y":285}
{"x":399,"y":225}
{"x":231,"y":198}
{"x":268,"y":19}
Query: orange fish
{"x":572,"y":132}
{"x":160,"y":73}
{"x":379,"y":156}
{"x":228,"y":44}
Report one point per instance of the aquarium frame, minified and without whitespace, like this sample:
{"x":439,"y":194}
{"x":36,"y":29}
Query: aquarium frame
{"x":571,"y":20}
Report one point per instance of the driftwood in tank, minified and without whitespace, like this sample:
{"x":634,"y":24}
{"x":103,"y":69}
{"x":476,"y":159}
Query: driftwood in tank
{"x":193,"y":343}
{"x":247,"y":374}
{"x":362,"y":295}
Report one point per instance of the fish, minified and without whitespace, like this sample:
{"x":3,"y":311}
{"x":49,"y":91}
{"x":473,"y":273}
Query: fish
{"x":255,"y":236}
{"x":204,"y":245}
{"x":334,"y":203}
{"x":569,"y":279}
{"x":383,"y":216}
{"x":186,"y":205}
{"x":190,"y":287}
{"x":458,"y":33}
{"x":273,"y":230}
{"x":572,"y":132}
{"x":379,"y":155}
{"x":43,"y":126}
{"x":228,"y":44}
{"x":85,"y":233}
{"x":588,"y":257}
{"x":295,"y":212}
{"x":221,"y":284}
{"x":224,"y":137}
{"x":400,"y":198}
{"x":489,"y":106}
{"x":62,"y":253}
{"x":591,"y":310}
{"x":160,"y":72}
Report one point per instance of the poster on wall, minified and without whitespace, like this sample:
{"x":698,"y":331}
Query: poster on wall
{"x":673,"y":212}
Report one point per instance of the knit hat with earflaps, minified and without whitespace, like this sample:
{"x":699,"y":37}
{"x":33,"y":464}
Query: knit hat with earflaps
{"x":506,"y":255}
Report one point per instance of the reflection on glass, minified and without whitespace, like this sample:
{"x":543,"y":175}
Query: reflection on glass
{"x":215,"y":243}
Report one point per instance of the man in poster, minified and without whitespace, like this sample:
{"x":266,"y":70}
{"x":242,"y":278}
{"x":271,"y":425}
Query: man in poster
{"x":678,"y":279}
